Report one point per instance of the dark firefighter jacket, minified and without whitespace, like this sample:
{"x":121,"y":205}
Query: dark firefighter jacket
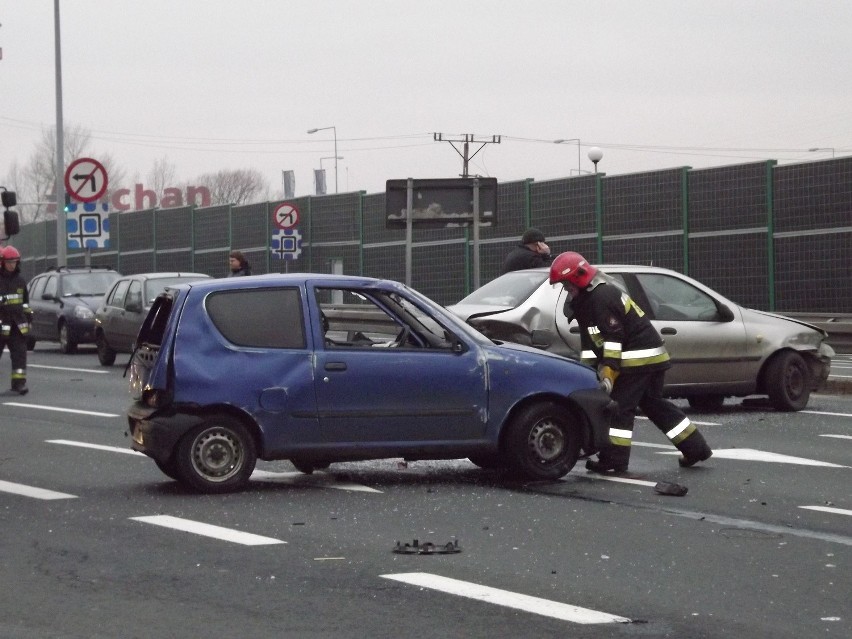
{"x":14,"y":302}
{"x":615,"y":332}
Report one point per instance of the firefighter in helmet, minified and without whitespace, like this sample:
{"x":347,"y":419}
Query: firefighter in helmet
{"x":15,"y":316}
{"x":628,"y":352}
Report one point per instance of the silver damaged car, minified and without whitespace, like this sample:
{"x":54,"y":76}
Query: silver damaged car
{"x":718,"y":348}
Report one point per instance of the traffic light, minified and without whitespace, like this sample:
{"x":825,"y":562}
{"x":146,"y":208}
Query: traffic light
{"x":68,"y":204}
{"x":11,"y":222}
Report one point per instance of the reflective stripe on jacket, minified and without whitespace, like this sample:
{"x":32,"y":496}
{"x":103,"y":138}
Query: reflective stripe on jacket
{"x":615,"y":332}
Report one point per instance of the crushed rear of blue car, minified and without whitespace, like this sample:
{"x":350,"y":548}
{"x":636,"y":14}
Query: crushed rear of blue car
{"x":319,"y":369}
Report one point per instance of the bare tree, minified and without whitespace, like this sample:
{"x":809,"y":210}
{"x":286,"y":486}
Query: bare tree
{"x":241,"y":186}
{"x":35,"y":181}
{"x":162,"y":176}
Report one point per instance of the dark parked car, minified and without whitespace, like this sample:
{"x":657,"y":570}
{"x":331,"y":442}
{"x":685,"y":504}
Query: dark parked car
{"x":124,"y":307}
{"x":718,"y":347}
{"x":64,"y":302}
{"x":319,"y":369}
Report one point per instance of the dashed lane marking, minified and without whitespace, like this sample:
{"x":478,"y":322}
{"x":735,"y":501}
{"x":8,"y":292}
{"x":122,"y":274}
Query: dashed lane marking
{"x":838,"y":436}
{"x":61,"y":410}
{"x":619,"y":480}
{"x":822,"y":412}
{"x":111,"y":449}
{"x":749,"y":454}
{"x":319,"y":480}
{"x":544,"y":607}
{"x":208,"y":530}
{"x":828,"y":509}
{"x":65,"y":368}
{"x":32,"y":491}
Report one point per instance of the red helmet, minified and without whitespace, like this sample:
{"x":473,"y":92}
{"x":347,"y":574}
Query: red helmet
{"x":10,"y":253}
{"x":572,"y":267}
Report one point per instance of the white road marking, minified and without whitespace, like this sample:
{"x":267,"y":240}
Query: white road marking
{"x":819,"y":412}
{"x":320,"y":480}
{"x":31,"y":491}
{"x":208,"y":530}
{"x":112,"y":449}
{"x":692,"y":420}
{"x":749,"y":454}
{"x":544,"y":607}
{"x":619,"y":480}
{"x":64,"y":368}
{"x":838,"y":436}
{"x":826,"y":509}
{"x":62,"y":410}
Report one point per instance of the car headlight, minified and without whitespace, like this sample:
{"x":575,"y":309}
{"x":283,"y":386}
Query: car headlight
{"x":83,"y":312}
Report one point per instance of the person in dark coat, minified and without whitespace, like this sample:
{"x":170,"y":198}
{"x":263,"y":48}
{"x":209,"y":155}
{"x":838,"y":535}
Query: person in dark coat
{"x":532,"y":252}
{"x":238,"y":264}
{"x":619,"y":340}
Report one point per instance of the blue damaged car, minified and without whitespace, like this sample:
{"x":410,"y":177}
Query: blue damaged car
{"x":318,"y":369}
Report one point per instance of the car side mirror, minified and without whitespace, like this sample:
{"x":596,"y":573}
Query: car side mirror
{"x":541,"y":338}
{"x":725,"y":313}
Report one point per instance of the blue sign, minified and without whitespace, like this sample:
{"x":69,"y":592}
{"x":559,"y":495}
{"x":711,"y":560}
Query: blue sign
{"x":87,"y":225}
{"x":286,"y":244}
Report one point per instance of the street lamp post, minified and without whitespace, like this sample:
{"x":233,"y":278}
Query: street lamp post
{"x":334,"y":129}
{"x":595,"y":155}
{"x":577,"y":140}
{"x":330,"y":157}
{"x":823,"y":148}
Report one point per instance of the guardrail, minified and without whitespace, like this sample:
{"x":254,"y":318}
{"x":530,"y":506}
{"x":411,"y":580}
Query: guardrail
{"x":837,"y":325}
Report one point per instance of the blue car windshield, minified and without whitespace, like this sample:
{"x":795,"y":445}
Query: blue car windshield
{"x":509,"y":290}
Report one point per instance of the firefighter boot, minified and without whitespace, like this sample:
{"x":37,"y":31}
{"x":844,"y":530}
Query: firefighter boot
{"x":20,"y":386}
{"x":612,"y":459}
{"x":694,"y":449}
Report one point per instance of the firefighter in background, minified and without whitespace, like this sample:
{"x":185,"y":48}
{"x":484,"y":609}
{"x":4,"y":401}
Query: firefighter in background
{"x":631,"y":360}
{"x":15,"y":316}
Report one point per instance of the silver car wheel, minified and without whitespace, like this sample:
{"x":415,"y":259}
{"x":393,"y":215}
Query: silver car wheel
{"x":546,"y":441}
{"x":216,"y":454}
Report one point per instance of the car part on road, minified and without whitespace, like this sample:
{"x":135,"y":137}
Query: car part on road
{"x":427,"y":548}
{"x":667,"y":488}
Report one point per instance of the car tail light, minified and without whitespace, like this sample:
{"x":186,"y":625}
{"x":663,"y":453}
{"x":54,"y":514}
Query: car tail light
{"x":156,"y":397}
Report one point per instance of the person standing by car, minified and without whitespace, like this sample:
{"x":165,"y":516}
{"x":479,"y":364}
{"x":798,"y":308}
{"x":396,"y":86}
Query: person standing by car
{"x":532,"y":252}
{"x":15,"y":315}
{"x":631,"y":359}
{"x":238,"y":264}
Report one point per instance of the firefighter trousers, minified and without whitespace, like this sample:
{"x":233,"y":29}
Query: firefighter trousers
{"x":17,"y":344}
{"x":645,"y":391}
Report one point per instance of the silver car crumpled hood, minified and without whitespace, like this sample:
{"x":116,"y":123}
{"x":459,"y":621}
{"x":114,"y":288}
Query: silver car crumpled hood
{"x":809,"y":339}
{"x":788,"y":319}
{"x":470,"y":311}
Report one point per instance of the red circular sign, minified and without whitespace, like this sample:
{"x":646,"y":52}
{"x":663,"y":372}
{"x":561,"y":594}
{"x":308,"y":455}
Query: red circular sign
{"x":286,"y":216}
{"x":86,"y":180}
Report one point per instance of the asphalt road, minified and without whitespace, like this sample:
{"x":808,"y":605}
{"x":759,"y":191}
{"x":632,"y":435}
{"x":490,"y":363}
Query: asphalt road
{"x":98,"y":543}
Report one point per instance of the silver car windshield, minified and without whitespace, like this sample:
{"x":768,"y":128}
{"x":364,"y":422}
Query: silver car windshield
{"x":511,"y":289}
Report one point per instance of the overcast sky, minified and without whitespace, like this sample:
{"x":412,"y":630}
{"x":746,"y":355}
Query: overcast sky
{"x":214,"y":84}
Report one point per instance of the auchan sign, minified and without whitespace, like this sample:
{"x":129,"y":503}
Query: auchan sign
{"x":120,"y":199}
